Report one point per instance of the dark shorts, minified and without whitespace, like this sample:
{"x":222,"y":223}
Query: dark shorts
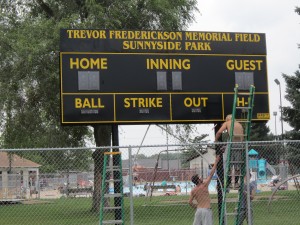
{"x":236,"y":154}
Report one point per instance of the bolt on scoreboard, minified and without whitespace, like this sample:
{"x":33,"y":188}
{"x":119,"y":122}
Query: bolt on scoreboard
{"x":138,"y":76}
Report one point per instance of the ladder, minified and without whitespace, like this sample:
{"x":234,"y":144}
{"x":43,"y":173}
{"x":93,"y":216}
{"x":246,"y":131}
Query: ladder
{"x":112,"y":174}
{"x":244,"y":119}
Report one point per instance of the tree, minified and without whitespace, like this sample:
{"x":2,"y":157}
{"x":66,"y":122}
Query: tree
{"x":297,"y":10}
{"x":29,"y":89}
{"x":291,"y":114}
{"x":259,"y":132}
{"x":29,"y":80}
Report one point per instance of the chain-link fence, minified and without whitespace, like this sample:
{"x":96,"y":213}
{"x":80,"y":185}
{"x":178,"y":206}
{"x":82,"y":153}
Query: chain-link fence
{"x":63,"y":186}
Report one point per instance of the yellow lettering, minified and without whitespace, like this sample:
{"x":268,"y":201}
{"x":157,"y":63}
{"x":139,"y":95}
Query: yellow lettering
{"x":244,"y":64}
{"x":172,"y":64}
{"x":88,"y":63}
{"x":240,"y":101}
{"x":70,"y":33}
{"x":74,"y":63}
{"x":86,"y":103}
{"x":152,"y":45}
{"x":78,"y":103}
{"x":145,"y":35}
{"x":195,"y":102}
{"x":93,"y":103}
{"x":207,"y":36}
{"x":247,"y":37}
{"x":76,"y":34}
{"x":143,"y":102}
{"x":126,"y":102}
{"x":96,"y":34}
{"x":199,"y":46}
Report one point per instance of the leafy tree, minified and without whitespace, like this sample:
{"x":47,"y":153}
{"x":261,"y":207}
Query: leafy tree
{"x":29,"y":89}
{"x":297,"y":10}
{"x":29,"y":73}
{"x":259,"y":132}
{"x":291,"y":114}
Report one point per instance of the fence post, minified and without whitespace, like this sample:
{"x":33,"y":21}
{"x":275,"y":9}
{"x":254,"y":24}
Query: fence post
{"x":130,"y":185}
{"x":249,"y":211}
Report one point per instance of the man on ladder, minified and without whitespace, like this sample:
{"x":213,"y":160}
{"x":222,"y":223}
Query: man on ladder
{"x":236,"y":155}
{"x":238,"y":137}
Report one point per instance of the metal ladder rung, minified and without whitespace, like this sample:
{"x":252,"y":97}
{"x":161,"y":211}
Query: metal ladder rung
{"x":240,"y":135}
{"x":243,"y":107}
{"x":243,"y":121}
{"x":112,"y":221}
{"x":244,"y":93}
{"x":113,"y":167}
{"x":118,"y":180}
{"x":237,"y":162}
{"x":231,"y":214}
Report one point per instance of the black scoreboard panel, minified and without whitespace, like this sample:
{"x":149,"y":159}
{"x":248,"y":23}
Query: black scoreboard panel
{"x":107,"y":84}
{"x":155,"y":108}
{"x":130,"y":73}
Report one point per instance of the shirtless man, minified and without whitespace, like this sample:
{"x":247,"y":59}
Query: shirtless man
{"x":200,"y":194}
{"x":238,"y":129}
{"x":238,"y":136}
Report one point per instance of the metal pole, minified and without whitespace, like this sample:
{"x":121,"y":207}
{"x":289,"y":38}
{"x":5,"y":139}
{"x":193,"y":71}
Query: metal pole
{"x":248,"y":187}
{"x":281,"y":112}
{"x":275,"y":114}
{"x":167,"y":137}
{"x":278,"y":83}
{"x":130,"y":185}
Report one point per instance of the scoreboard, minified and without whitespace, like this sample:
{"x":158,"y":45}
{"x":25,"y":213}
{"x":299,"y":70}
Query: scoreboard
{"x":126,"y":77}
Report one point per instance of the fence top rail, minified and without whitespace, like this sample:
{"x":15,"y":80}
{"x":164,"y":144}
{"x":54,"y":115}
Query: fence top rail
{"x":205,"y":143}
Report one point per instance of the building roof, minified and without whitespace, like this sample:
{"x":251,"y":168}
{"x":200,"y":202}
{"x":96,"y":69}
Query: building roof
{"x":16,"y":161}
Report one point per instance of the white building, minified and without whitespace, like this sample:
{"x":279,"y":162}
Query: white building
{"x":201,"y":162}
{"x":17,"y":175}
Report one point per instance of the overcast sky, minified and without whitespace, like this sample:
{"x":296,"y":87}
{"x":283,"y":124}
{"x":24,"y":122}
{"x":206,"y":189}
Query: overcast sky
{"x":276,"y":18}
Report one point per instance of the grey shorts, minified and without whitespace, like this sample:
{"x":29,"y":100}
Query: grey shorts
{"x":203,"y":216}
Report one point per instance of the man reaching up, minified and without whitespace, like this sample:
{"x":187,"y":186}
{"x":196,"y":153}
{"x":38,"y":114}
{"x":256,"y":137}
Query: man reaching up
{"x":200,"y":194}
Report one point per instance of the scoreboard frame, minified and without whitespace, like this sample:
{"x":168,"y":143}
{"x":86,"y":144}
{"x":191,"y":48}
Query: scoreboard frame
{"x":136,"y":77}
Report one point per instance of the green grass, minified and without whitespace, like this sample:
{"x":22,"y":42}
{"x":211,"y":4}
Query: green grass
{"x":161,"y":210}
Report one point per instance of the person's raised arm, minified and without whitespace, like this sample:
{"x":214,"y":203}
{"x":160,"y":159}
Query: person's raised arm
{"x":213,"y":170}
{"x":220,"y":131}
